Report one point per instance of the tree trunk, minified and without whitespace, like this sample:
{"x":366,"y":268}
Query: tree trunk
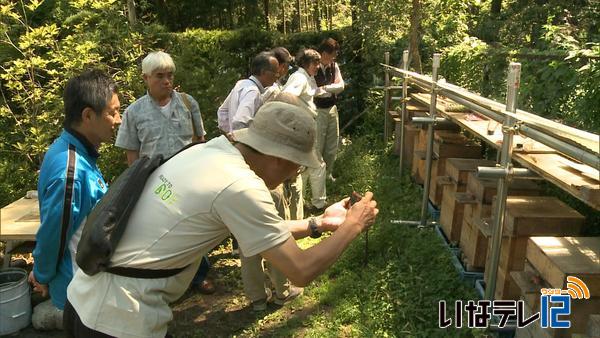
{"x":496,"y":7}
{"x":357,"y":42}
{"x":415,"y":36}
{"x":251,"y":12}
{"x":330,"y":16}
{"x":266,"y":5}
{"x":307,"y":15}
{"x":317,"y":16}
{"x":283,"y":17}
{"x":299,"y":13}
{"x":131,"y":15}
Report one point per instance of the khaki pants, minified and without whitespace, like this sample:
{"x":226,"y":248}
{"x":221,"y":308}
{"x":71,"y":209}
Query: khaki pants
{"x":328,"y":125}
{"x":253,"y":274}
{"x":326,"y":145}
{"x":292,"y":193}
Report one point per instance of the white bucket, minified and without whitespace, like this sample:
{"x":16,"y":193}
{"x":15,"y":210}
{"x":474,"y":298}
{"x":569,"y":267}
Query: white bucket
{"x":15,"y":300}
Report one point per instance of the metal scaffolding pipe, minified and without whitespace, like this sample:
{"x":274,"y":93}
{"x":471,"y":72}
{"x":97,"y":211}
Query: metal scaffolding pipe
{"x":579,"y":154}
{"x":512,"y":91}
{"x":581,"y":137}
{"x":570,"y":150}
{"x":403,"y":112}
{"x":429,"y":156}
{"x":499,"y":173}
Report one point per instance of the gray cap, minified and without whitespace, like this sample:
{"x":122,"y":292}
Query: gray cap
{"x":282,"y":130}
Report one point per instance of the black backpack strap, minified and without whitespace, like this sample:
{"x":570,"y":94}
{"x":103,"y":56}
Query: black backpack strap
{"x":67,"y":203}
{"x":144,"y":273}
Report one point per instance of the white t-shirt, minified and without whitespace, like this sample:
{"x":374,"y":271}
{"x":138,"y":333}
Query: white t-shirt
{"x":188,"y":206}
{"x":166,"y":109}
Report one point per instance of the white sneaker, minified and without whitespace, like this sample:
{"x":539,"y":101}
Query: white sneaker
{"x":293,"y":292}
{"x":261,"y":304}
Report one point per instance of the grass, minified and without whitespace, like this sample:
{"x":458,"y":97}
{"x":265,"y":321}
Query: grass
{"x":395,"y":295}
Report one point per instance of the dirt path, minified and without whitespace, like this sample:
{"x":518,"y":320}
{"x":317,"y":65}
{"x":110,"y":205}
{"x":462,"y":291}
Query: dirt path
{"x":227,"y":312}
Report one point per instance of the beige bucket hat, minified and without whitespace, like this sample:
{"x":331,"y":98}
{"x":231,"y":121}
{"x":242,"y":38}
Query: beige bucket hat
{"x":282,"y":130}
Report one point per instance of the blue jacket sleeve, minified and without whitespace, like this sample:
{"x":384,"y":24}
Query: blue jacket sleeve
{"x":48,"y":237}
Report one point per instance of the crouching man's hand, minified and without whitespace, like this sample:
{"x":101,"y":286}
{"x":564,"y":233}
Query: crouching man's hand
{"x":301,"y":266}
{"x":362,"y":214}
{"x":37,"y":287}
{"x":333,"y":216}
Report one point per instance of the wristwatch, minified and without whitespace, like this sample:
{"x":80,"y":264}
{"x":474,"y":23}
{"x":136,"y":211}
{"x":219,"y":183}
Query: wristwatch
{"x":312,"y":225}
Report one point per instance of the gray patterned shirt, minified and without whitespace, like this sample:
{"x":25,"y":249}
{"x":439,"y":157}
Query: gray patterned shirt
{"x":146,"y":129}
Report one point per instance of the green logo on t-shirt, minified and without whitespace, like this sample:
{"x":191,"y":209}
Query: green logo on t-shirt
{"x":165,"y":190}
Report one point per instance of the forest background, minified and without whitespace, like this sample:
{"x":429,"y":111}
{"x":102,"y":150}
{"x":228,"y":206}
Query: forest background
{"x":43,"y":43}
{"x":396,"y":291}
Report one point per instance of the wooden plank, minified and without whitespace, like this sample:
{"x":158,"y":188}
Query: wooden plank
{"x":535,"y":156}
{"x":558,"y":257}
{"x":20,"y":220}
{"x":540,"y":216}
{"x":570,"y":180}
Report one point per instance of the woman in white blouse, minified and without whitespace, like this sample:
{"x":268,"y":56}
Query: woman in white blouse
{"x":302,"y":82}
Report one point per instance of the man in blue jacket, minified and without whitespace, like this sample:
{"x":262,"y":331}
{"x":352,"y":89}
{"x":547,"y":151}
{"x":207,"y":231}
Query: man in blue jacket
{"x":70,"y":185}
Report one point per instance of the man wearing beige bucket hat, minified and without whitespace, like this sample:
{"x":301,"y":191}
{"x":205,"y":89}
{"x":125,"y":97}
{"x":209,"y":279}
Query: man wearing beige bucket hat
{"x":193,"y":202}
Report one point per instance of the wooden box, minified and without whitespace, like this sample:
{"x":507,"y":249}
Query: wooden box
{"x":474,"y":211}
{"x":410,"y":130}
{"x":473,"y":244}
{"x":447,"y":144}
{"x":555,"y":258}
{"x":452,"y":207}
{"x":581,"y":317}
{"x":540,"y":216}
{"x":418,"y":156}
{"x":484,"y":190}
{"x":419,"y":162}
{"x":527,"y":216}
{"x":411,"y":134}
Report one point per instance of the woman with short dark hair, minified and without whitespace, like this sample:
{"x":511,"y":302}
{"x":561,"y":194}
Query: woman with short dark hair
{"x":302,"y":82}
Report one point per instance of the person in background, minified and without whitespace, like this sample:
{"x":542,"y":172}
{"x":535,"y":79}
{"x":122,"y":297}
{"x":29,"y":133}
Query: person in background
{"x":284,"y":59}
{"x":302,"y":84}
{"x":292,"y":190}
{"x":161,"y":123}
{"x":241,"y":106}
{"x":243,"y":101}
{"x":173,"y":234}
{"x":69,"y":186}
{"x":330,"y":82}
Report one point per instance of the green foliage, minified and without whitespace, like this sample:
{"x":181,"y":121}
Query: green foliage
{"x":81,"y":35}
{"x":557,"y":84}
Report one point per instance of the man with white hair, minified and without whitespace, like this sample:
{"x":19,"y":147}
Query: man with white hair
{"x":216,"y":188}
{"x":161,"y":123}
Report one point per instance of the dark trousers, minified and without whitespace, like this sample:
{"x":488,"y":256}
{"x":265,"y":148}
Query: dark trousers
{"x":74,"y":328}
{"x":202,"y":271}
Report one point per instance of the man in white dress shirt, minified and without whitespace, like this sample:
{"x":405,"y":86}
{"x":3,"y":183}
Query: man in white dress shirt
{"x":243,"y":101}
